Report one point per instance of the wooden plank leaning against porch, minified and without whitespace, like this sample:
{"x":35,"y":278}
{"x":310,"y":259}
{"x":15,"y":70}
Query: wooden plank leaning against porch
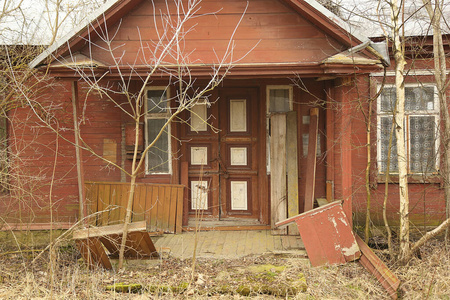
{"x":160,"y":205}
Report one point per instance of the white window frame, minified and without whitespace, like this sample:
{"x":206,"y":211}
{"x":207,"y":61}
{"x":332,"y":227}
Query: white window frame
{"x":434,"y":112}
{"x":153,"y":116}
{"x":291,"y":108}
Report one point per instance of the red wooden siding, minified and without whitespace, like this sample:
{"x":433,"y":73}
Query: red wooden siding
{"x":278,"y":34}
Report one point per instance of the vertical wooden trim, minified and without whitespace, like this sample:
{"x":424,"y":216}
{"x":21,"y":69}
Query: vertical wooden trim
{"x":330,"y":140}
{"x":185,"y":181}
{"x":311,"y":159}
{"x":160,"y":204}
{"x":78,"y":155}
{"x":138,"y":206}
{"x":278,"y":171}
{"x":263,"y":178}
{"x":292,"y":167}
{"x":173,"y":208}
{"x":153,"y":193}
{"x":116,"y":201}
{"x":166,"y":209}
{"x":346,"y":153}
{"x":179,"y":210}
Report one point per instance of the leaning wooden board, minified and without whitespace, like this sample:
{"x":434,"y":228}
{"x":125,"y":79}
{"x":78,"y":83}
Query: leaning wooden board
{"x":92,"y":243}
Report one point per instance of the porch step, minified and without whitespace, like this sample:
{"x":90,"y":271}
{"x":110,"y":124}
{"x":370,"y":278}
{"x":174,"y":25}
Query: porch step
{"x":228,"y":244}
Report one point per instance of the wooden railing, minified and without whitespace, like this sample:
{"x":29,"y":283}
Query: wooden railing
{"x":160,"y":205}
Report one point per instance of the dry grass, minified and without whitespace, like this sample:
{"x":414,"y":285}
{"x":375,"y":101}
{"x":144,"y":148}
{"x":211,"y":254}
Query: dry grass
{"x":262,"y":277}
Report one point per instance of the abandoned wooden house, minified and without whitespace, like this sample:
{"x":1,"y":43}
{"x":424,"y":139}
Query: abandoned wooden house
{"x":286,"y":125}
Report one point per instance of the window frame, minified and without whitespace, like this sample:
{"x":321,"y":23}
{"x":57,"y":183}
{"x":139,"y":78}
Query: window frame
{"x":158,"y":116}
{"x":435,"y":112}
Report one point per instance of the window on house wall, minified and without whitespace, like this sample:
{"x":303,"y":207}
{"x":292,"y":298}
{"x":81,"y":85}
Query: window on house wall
{"x":158,"y":158}
{"x":421,"y":126}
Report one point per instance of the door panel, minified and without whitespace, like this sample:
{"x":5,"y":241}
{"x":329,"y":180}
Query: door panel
{"x":223,"y":171}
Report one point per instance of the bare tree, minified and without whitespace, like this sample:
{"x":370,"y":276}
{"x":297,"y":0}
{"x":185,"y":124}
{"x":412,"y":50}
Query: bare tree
{"x":163,"y":55}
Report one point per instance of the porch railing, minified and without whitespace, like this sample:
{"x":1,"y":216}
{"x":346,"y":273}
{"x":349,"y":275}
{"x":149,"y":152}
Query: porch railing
{"x":161,"y":205}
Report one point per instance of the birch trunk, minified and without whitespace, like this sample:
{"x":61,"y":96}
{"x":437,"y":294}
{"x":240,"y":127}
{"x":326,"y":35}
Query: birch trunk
{"x":399,"y":118}
{"x":440,"y":74}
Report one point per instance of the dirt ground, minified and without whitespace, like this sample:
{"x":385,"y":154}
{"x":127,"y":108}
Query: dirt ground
{"x":269,"y":276}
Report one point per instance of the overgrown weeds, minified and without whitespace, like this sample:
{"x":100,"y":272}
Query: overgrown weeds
{"x":265,"y":277}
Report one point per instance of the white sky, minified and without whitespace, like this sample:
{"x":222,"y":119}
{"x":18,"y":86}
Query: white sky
{"x":373,"y":16}
{"x":33,"y":22}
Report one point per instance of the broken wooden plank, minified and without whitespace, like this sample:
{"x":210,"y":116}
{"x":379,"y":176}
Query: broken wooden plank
{"x":278,"y":170}
{"x":377,"y":267}
{"x":292,"y":167}
{"x":108,"y":230}
{"x":327,"y":235}
{"x":92,"y":242}
{"x":322,"y":201}
{"x":311,"y":159}
{"x":93,"y":253}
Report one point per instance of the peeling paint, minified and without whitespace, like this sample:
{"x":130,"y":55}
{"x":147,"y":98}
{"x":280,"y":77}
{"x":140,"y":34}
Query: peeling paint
{"x":351,"y":251}
{"x":343,"y":221}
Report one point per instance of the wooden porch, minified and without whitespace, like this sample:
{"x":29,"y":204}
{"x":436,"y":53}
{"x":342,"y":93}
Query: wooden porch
{"x":227,"y":244}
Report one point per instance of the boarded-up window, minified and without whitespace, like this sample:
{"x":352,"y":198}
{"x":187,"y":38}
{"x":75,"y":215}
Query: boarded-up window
{"x":421,"y":124}
{"x":158,"y":112}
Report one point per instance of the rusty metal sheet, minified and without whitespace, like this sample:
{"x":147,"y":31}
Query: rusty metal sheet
{"x":327,"y":235}
{"x":376,"y":267}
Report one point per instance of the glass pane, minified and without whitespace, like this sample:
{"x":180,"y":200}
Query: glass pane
{"x":388,"y":99}
{"x":158,"y":155}
{"x":156,"y":101}
{"x":385,"y":132}
{"x":422,"y":144}
{"x":279,"y":100}
{"x":419,"y":98}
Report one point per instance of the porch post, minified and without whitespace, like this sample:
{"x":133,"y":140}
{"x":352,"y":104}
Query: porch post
{"x":345,"y":124}
{"x":78,"y":155}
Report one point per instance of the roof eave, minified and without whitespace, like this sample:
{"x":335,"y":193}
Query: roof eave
{"x":329,"y":22}
{"x":80,"y":32}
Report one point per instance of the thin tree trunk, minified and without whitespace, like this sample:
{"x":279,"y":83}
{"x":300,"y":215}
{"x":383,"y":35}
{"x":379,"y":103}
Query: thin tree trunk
{"x":386,"y":192}
{"x":129,"y":212}
{"x":440,"y":74}
{"x":400,"y":131}
{"x":369,"y":163}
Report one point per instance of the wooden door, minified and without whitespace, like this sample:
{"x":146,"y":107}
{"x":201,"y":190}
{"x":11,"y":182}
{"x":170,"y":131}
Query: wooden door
{"x":238,"y":153}
{"x":222,"y":156}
